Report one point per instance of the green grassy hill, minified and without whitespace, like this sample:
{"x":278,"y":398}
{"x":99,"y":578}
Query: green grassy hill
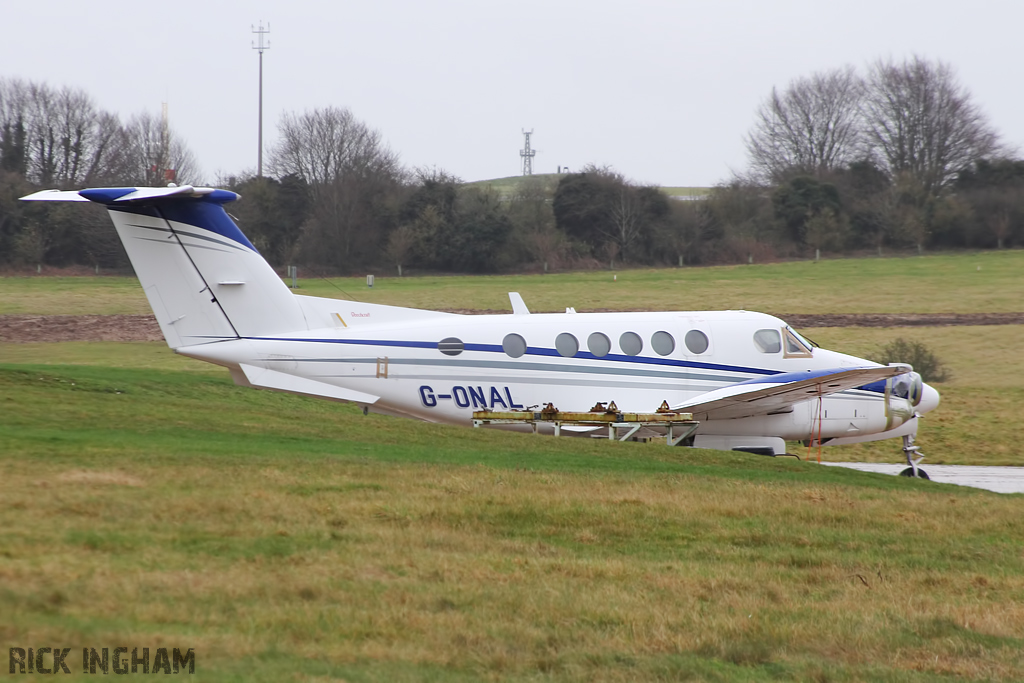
{"x":508,"y":187}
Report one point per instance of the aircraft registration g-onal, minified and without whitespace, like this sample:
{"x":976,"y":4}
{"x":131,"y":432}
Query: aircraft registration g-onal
{"x":750,"y":380}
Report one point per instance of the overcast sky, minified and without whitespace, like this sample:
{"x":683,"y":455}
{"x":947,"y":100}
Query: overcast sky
{"x":662,"y":91}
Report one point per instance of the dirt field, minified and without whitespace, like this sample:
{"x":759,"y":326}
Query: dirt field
{"x":41,"y":328}
{"x":60,"y":328}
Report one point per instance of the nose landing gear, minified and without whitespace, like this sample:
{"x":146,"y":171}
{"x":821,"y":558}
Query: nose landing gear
{"x":909,"y":450}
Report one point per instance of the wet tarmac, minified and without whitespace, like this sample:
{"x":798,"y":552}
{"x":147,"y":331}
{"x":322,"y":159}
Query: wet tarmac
{"x":998,"y":479}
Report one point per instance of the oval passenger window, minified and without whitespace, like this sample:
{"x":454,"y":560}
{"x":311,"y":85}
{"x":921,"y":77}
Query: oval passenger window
{"x":450,"y":346}
{"x":663,"y":343}
{"x":599,"y":344}
{"x":514,"y":345}
{"x":696,"y":341}
{"x":566,"y":345}
{"x":630,"y":343}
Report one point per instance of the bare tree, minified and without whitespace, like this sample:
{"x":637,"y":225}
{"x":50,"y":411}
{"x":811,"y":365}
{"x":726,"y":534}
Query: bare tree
{"x":812,"y":127}
{"x":823,"y":229}
{"x":691,"y":225}
{"x":59,"y":126}
{"x":530,"y":205}
{"x":149,"y":150}
{"x":530,"y":210}
{"x":325,"y":145}
{"x":1000,"y":224}
{"x":920,"y":120}
{"x":546,"y":245}
{"x":14,"y":152}
{"x":42,"y":134}
{"x":625,"y":219}
{"x":910,"y":209}
{"x":400,"y":244}
{"x":57,"y":137}
{"x":352,"y":177}
{"x":75,"y":120}
{"x":744,"y":212}
{"x":998,"y":210}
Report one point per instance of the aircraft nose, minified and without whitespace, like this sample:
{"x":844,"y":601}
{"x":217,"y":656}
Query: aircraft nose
{"x":929,"y":399}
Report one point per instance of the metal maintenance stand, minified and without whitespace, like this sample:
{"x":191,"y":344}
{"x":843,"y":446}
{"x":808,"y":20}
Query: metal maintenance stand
{"x":678,"y":426}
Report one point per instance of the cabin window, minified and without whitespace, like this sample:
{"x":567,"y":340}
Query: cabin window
{"x":663,"y":343}
{"x":567,"y":345}
{"x":696,"y":341}
{"x":795,"y":345}
{"x":450,"y":346}
{"x":514,"y":345}
{"x":768,"y":341}
{"x":631,"y":343}
{"x":599,"y":344}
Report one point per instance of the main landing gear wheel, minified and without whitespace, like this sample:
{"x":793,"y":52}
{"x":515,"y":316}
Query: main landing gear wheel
{"x":909,"y":450}
{"x":915,"y":472}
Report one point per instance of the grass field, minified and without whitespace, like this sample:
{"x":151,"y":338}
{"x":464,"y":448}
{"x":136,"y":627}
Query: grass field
{"x":146,"y":501}
{"x":293,"y":539}
{"x":943,"y":283}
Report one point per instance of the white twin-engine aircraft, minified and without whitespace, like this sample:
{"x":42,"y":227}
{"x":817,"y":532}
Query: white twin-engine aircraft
{"x":749,"y":379}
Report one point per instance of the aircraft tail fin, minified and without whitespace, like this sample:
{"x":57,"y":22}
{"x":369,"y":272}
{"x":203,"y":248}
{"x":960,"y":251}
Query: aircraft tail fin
{"x":203,"y":278}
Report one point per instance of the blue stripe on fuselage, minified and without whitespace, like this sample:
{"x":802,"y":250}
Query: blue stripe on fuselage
{"x":534,"y":351}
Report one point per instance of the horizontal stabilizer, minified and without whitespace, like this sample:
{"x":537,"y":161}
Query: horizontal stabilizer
{"x":118,"y":195}
{"x":54,"y":196}
{"x":777,"y":392}
{"x":282,"y":381}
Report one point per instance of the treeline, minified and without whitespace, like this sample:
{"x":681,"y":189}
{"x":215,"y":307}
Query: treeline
{"x":900,"y":156}
{"x":58,"y":138}
{"x":369,"y":213}
{"x":897,"y":158}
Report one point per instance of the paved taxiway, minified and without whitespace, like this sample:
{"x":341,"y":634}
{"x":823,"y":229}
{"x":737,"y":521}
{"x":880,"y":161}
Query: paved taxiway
{"x":998,"y":479}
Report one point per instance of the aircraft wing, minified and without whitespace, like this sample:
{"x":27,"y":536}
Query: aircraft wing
{"x":776,"y":393}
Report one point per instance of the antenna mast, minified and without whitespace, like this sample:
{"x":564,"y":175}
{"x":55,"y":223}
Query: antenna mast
{"x":261,"y":45}
{"x":527,"y":154}
{"x":165,"y":146}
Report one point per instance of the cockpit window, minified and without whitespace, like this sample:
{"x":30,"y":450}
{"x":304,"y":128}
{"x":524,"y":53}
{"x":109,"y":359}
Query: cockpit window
{"x":796,"y":346}
{"x":768,"y":341}
{"x":809,"y":343}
